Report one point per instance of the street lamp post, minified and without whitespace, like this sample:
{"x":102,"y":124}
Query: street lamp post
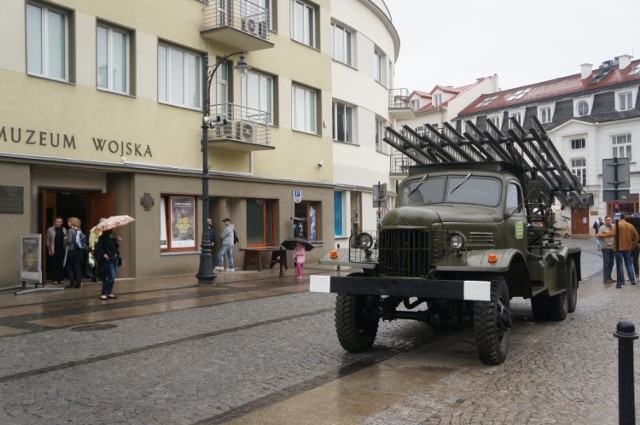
{"x":206,"y":275}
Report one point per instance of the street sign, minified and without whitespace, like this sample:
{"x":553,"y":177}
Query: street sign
{"x":616,"y":179}
{"x":297,"y":195}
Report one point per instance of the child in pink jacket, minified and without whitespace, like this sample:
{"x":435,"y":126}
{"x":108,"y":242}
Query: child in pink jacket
{"x":299,"y":256}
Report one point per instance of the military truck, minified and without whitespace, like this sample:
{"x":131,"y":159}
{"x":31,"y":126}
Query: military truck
{"x":472,"y":228}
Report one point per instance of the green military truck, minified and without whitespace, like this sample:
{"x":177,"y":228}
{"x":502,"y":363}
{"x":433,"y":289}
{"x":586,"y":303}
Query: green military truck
{"x":472,"y":228}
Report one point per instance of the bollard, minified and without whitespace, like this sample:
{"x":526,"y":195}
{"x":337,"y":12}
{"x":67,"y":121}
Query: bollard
{"x":626,"y":333}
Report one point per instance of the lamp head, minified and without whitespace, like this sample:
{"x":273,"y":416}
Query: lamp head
{"x":242,"y":65}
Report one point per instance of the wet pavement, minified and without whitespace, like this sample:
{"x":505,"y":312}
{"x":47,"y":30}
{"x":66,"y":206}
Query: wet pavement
{"x":259,"y":349}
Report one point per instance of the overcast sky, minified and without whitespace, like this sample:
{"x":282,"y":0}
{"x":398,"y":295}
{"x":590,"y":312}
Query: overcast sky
{"x":453,"y":42}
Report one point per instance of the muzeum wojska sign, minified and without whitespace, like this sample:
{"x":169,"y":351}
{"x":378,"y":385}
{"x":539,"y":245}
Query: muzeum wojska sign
{"x":32,"y":137}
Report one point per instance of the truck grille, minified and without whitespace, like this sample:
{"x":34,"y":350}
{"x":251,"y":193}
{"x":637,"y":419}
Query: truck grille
{"x":403,"y":252}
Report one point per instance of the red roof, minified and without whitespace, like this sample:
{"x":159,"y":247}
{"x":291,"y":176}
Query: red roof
{"x":564,"y":86}
{"x":449,"y":89}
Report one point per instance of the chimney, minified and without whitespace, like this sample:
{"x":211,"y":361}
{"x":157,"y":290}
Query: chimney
{"x":585,"y":70}
{"x":623,"y":61}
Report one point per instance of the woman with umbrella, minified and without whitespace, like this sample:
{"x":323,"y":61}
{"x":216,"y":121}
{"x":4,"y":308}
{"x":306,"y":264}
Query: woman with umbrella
{"x":107,"y":256}
{"x":299,"y":247}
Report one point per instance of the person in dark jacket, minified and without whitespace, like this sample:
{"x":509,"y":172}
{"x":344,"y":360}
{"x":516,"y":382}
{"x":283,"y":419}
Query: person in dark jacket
{"x":107,"y":254}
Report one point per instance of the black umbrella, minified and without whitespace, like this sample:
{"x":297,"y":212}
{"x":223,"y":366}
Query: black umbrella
{"x":291,"y":243}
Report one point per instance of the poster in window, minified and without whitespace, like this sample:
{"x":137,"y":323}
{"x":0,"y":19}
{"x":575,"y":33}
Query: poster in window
{"x":163,"y":224}
{"x":183,"y":219}
{"x":30,"y":267}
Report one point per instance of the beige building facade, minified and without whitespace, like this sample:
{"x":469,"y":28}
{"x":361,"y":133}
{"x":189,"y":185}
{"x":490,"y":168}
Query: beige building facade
{"x":102,"y":114}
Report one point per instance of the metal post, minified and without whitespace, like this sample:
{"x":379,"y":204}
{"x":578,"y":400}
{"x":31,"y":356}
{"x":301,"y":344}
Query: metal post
{"x":205,"y":275}
{"x":626,"y":333}
{"x":282,"y":260}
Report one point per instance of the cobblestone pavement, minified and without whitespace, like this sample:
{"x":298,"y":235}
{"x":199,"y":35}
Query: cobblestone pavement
{"x":277,"y":360}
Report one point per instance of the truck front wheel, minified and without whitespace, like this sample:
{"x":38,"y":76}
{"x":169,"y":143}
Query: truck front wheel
{"x":492,"y":324}
{"x":356,"y":321}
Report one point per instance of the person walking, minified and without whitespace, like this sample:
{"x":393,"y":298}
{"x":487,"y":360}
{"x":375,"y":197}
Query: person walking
{"x":626,"y":241}
{"x":56,"y":236}
{"x":607,"y":249}
{"x":74,"y":255}
{"x":106,"y":250}
{"x":227,"y":237}
{"x":596,"y":225}
{"x":299,"y":256}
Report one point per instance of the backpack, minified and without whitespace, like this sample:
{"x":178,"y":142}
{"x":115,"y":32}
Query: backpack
{"x":80,"y":241}
{"x":235,"y":238}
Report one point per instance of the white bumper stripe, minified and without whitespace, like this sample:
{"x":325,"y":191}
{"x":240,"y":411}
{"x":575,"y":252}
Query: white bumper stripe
{"x":320,"y":284}
{"x":477,"y":290}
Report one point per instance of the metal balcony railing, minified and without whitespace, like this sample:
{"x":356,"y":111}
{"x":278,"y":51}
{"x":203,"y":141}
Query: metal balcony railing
{"x":240,"y":128}
{"x":238,"y":23}
{"x":400,"y":163}
{"x":399,"y":99}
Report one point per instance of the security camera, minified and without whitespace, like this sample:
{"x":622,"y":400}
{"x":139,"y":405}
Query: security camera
{"x":320,"y":163}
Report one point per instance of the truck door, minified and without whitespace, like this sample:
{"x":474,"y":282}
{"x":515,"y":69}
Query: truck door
{"x":515,"y":217}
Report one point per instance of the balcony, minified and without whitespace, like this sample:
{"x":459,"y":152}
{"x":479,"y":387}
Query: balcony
{"x":400,"y":163}
{"x":240,"y":129}
{"x":240,"y":24}
{"x":399,"y":106}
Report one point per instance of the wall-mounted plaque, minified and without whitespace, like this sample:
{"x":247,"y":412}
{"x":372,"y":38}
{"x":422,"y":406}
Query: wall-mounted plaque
{"x":11,"y":200}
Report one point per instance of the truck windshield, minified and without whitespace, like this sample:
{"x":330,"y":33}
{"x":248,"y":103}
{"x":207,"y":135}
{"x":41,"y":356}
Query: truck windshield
{"x":469,"y":189}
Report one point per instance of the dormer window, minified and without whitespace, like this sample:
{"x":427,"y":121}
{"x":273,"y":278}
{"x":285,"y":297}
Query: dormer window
{"x":545,"y":114}
{"x":437,"y":100}
{"x":625,"y":101}
{"x":582,"y":108}
{"x":635,"y":71}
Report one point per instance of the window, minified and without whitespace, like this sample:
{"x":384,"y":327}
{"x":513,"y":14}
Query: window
{"x":545,"y":114}
{"x":495,"y":120}
{"x":222,"y":84}
{"x":342,"y":44}
{"x":582,"y":108}
{"x":420,"y":130}
{"x":112,"y":52}
{"x":380,"y":144}
{"x":621,"y":146}
{"x":260,"y":223}
{"x":514,"y":199}
{"x":257,"y":94}
{"x":578,"y":143}
{"x":517,"y":116}
{"x":303,"y":23}
{"x":180,"y":73}
{"x":338,"y":214}
{"x":342,"y":122}
{"x":519,"y":94}
{"x":488,"y":100}
{"x":379,"y":66}
{"x":47,"y":42}
{"x":635,"y":70}
{"x":437,"y":100}
{"x":415,"y":104}
{"x":579,"y":168}
{"x":178,"y":223}
{"x":625,"y":101}
{"x":308,"y":217}
{"x":304,"y":109}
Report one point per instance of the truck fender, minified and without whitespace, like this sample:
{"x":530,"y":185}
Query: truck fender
{"x":478,"y":261}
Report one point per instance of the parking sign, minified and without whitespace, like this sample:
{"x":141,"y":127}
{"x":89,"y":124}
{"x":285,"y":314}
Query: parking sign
{"x":297,"y":195}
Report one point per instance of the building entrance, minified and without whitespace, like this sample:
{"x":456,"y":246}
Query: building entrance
{"x":88,"y":206}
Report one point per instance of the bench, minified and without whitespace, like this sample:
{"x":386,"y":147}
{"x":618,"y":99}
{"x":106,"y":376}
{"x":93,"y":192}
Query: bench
{"x":252,"y":257}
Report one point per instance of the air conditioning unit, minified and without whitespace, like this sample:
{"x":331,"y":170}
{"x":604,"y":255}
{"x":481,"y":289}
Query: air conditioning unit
{"x":246,"y":131}
{"x":251,"y":26}
{"x":225,"y":131}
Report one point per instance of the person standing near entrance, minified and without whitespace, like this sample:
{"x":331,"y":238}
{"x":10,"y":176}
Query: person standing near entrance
{"x":106,"y":251}
{"x":607,"y":249}
{"x":626,"y":241}
{"x":74,"y":255}
{"x":227,"y":246}
{"x":212,"y":232}
{"x":56,"y":236}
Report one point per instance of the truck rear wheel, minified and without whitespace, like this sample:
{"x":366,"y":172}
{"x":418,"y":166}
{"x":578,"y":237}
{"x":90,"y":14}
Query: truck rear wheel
{"x":492,"y":324}
{"x":356,"y":321}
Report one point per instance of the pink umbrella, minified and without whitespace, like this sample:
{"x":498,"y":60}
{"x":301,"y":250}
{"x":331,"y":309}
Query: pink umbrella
{"x":113,"y":222}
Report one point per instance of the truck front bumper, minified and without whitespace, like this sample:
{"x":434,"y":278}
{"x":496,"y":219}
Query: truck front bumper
{"x":468,"y":290}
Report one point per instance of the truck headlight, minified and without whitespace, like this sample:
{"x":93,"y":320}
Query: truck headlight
{"x":456,"y":241}
{"x":364,"y":241}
